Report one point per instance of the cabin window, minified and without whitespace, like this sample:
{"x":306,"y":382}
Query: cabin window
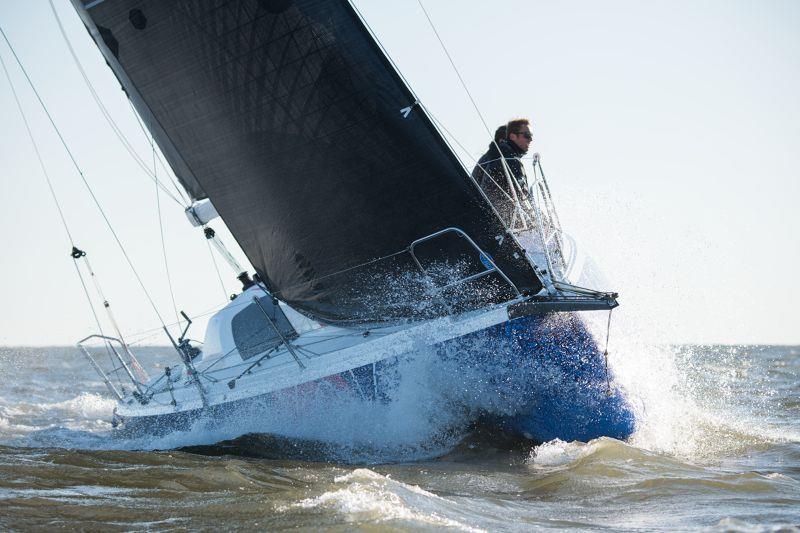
{"x":253,"y":334}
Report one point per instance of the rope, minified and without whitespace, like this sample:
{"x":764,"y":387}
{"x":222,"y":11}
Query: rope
{"x":117,"y":131}
{"x":96,"y":318}
{"x":82,"y":176}
{"x":605,"y":352}
{"x":156,"y":156}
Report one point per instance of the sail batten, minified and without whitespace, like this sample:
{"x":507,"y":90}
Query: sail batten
{"x":289,"y":118}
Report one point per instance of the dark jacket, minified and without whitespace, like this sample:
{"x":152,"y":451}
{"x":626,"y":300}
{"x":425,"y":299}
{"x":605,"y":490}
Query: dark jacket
{"x":491,"y":176}
{"x":480,"y":172}
{"x":513,"y":156}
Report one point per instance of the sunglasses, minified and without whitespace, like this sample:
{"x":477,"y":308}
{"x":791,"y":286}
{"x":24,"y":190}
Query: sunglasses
{"x":528,"y":135}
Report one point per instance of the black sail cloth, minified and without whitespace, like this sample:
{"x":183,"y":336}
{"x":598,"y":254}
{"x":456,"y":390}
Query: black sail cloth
{"x":286,"y":114}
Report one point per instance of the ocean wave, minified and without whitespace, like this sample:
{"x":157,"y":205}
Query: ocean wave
{"x":86,"y":404}
{"x":367,"y":496}
{"x":733,"y":525}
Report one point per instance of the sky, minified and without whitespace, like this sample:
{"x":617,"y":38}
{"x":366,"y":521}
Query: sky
{"x":669,"y":133}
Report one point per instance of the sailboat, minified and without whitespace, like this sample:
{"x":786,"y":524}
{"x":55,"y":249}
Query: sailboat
{"x":371,"y":243}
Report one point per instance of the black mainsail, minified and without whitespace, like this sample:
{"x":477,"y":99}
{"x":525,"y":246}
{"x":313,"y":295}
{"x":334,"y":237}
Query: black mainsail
{"x":287,"y":115}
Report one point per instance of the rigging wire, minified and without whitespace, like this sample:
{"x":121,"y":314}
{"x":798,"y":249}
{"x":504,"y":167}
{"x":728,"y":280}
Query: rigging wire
{"x":474,"y":161}
{"x":184,"y":202}
{"x":139,"y":336}
{"x":117,"y":131}
{"x":170,"y":175}
{"x":83,"y":177}
{"x":397,"y":70}
{"x":453,"y":64}
{"x":216,"y":267}
{"x":506,"y":169}
{"x":354,"y":267}
{"x":437,"y":124}
{"x":161,"y":234}
{"x":55,"y":199}
{"x":38,"y":156}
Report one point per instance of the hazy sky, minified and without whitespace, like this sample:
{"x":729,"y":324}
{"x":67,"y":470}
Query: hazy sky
{"x":669,"y":132}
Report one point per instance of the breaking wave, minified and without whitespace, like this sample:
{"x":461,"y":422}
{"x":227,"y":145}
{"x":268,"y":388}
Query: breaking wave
{"x":367,"y":496}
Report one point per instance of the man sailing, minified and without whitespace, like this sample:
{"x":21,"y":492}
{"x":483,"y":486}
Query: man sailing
{"x":501,"y":186}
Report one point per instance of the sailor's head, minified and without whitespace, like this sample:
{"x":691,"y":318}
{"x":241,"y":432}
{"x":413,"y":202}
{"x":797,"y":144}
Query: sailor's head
{"x":500,"y":133}
{"x":519,"y":133}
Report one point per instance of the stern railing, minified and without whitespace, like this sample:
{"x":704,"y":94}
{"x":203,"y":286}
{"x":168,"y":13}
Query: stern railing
{"x":122,"y":369}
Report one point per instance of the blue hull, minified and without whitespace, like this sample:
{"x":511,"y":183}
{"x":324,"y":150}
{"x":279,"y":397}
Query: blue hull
{"x":552,"y":376}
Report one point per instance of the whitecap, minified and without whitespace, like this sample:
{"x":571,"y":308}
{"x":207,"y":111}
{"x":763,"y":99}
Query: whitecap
{"x":368,"y":495}
{"x":556,"y":453}
{"x":86,"y":405}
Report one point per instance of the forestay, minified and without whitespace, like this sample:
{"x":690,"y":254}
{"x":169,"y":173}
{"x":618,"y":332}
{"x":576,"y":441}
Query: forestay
{"x":287,"y":115}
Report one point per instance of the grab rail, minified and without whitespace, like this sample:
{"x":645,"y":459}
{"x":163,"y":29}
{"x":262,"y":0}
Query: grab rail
{"x":482,"y":255}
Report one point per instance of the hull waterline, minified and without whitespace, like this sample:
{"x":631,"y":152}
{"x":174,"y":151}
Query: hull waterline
{"x":546,"y":371}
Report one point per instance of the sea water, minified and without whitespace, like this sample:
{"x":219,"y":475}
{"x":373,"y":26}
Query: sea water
{"x":717,"y":447}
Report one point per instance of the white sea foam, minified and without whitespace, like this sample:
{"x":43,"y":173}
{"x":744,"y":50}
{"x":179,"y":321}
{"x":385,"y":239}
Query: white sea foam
{"x":365,"y":495}
{"x":86,"y":405}
{"x":557,"y":453}
{"x":76,"y":491}
{"x":740,"y":526}
{"x":684,"y":406}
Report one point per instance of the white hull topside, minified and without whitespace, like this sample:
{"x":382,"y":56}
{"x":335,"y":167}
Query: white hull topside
{"x":322,"y":351}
